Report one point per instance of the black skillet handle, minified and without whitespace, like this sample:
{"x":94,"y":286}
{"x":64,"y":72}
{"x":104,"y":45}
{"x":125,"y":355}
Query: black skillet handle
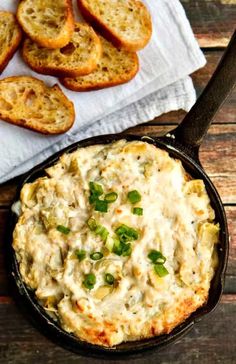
{"x":194,"y":126}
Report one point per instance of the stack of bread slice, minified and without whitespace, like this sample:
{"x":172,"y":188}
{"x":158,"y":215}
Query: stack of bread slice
{"x":56,"y":45}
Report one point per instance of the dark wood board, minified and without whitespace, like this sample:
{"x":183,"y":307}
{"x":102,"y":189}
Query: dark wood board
{"x":21,"y":343}
{"x":213,"y":21}
{"x":213,"y":339}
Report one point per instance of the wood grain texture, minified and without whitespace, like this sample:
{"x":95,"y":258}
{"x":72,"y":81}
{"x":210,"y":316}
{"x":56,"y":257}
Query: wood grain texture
{"x":7,"y":192}
{"x":200,"y":79}
{"x":213,"y":21}
{"x":213,"y":339}
{"x":21,"y":343}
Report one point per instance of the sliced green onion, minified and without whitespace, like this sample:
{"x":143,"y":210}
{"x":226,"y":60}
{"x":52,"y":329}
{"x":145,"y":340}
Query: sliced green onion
{"x":96,"y":188}
{"x":117,"y":248}
{"x":123,"y":249}
{"x":109,"y":243}
{"x":89,"y":281}
{"x":137,"y":211}
{"x":109,"y":279}
{"x":101,"y":206}
{"x":98,"y":229}
{"x":156,"y":257}
{"x":102,"y":232}
{"x":92,"y":198}
{"x":127,"y":250}
{"x":126,"y":233}
{"x":134,"y":196}
{"x":92,"y":224}
{"x":96,"y":256}
{"x":80,"y":254}
{"x":160,"y":270}
{"x":111,"y":197}
{"x":63,"y":229}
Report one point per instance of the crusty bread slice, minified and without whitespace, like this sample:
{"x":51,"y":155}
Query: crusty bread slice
{"x":10,"y":37}
{"x":79,"y":57}
{"x":28,"y":102}
{"x":115,"y":67}
{"x":49,"y":23}
{"x":126,"y":23}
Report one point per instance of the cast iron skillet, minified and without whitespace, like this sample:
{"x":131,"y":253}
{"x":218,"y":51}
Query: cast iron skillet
{"x":182,"y":143}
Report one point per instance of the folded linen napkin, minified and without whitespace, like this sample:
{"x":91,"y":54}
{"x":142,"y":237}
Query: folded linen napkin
{"x":161,"y":85}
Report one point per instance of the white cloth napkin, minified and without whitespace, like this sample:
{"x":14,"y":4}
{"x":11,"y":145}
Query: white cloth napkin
{"x":161,"y":85}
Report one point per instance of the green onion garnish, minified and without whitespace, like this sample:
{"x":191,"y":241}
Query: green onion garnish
{"x":80,"y":254}
{"x":137,"y":211}
{"x":96,"y":190}
{"x":109,"y":279}
{"x":101,"y":206}
{"x":120,"y":248}
{"x":102,"y":232}
{"x":160,"y":270}
{"x":117,"y":248}
{"x":98,"y":229}
{"x":63,"y":229}
{"x":126,"y":250}
{"x":111,"y":197}
{"x":89,"y":281}
{"x":134,"y":196}
{"x":109,"y":243}
{"x":126,"y":233}
{"x":92,"y":198}
{"x":96,"y":256}
{"x":92,"y":224}
{"x":156,"y":257}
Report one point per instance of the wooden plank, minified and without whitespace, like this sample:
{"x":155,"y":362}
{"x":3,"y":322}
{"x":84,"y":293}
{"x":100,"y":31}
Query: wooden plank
{"x":210,"y":341}
{"x":7,"y":192}
{"x":231,"y":271}
{"x":213,"y":21}
{"x":200,"y":78}
{"x":4,"y":291}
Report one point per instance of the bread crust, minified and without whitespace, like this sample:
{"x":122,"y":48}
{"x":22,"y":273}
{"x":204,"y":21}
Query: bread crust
{"x":53,"y":43}
{"x":60,"y":70}
{"x":112,"y":36}
{"x":117,"y":79}
{"x":36,"y":125}
{"x":71,"y":85}
{"x":15,"y":43}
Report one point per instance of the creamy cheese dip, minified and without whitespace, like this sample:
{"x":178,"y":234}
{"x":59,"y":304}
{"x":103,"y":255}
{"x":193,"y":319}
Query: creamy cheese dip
{"x":135,"y":271}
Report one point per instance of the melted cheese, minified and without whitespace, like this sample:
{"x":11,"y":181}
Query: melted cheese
{"x":177,"y":220}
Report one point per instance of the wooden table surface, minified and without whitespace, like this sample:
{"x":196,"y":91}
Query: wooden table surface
{"x":213,"y":340}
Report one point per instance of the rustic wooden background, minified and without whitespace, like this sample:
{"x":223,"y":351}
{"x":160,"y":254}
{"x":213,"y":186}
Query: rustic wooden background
{"x":214,"y":339}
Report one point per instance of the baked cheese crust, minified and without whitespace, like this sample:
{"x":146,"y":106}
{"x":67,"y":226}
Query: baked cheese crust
{"x":55,"y":243}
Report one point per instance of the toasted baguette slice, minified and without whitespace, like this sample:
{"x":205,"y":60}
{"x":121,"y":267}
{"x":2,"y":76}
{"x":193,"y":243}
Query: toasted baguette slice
{"x":126,"y":23}
{"x":49,"y":23}
{"x":28,"y":102}
{"x":115,"y":67}
{"x":79,"y":57}
{"x":10,"y":37}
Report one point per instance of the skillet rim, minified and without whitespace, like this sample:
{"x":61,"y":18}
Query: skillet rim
{"x":48,"y":326}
